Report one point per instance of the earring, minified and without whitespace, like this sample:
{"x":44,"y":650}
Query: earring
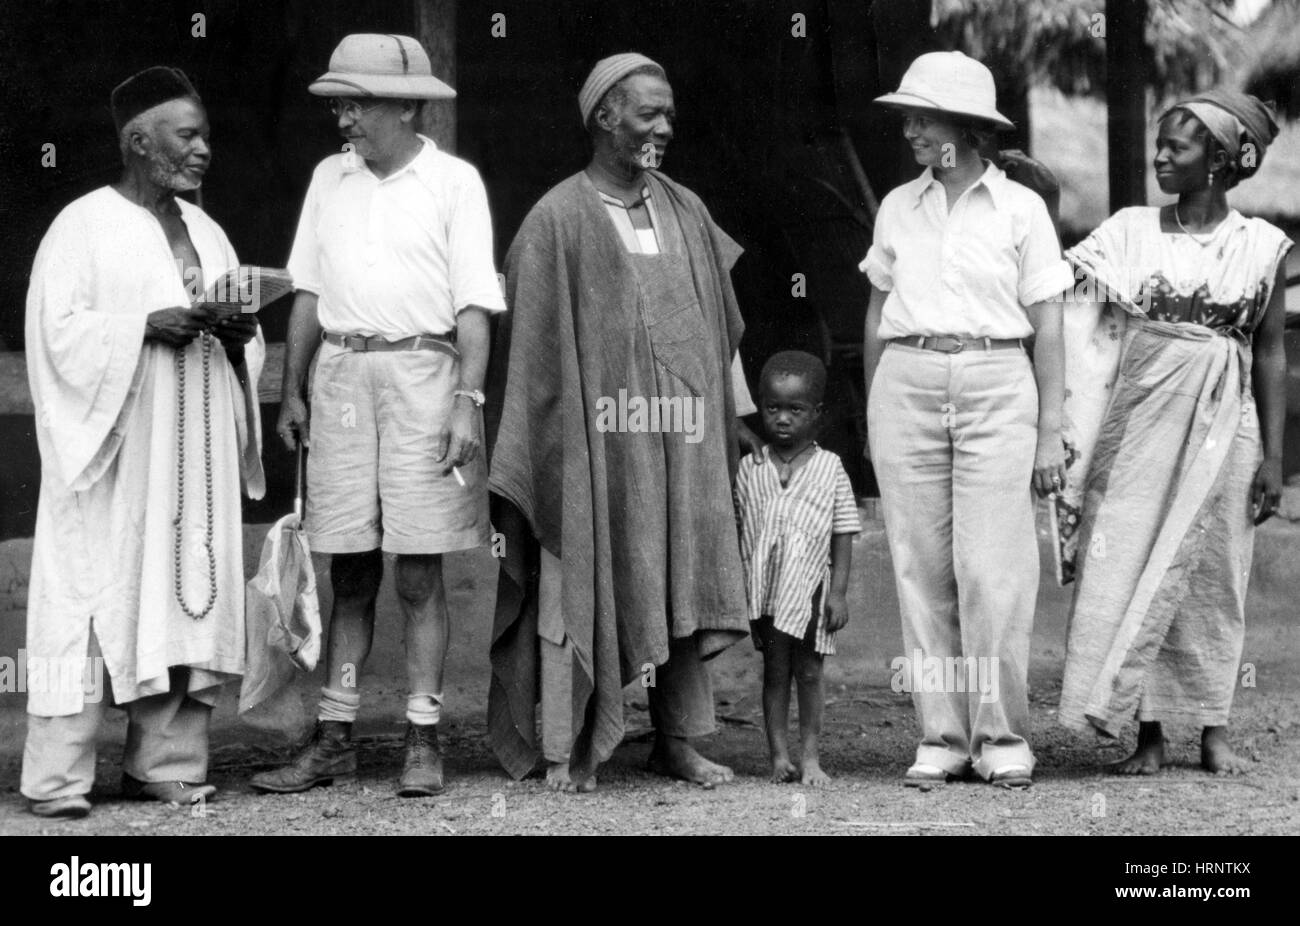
{"x":1209,"y":178}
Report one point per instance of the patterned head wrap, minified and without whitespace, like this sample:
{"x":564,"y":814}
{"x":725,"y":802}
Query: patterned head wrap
{"x":1243,"y":124}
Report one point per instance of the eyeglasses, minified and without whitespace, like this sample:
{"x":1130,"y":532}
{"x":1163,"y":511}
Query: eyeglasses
{"x":351,"y":108}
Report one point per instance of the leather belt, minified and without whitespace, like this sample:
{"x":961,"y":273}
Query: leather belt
{"x":952,"y":344}
{"x":361,"y":342}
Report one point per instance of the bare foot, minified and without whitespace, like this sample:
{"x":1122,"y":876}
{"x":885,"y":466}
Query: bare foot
{"x":813,"y":776}
{"x":557,"y":779}
{"x":1217,"y":756}
{"x":1147,"y":757}
{"x":676,"y":758}
{"x":783,"y":770}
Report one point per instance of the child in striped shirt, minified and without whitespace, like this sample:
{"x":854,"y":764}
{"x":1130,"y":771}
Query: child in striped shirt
{"x":797,"y":521}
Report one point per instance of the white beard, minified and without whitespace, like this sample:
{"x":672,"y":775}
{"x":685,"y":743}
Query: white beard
{"x":167,"y":174}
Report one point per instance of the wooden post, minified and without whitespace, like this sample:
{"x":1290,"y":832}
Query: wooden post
{"x":1126,"y":101}
{"x":435,"y":23}
{"x":1013,"y":102}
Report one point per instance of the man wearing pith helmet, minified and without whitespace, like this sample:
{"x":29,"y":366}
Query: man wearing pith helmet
{"x":392,"y":263}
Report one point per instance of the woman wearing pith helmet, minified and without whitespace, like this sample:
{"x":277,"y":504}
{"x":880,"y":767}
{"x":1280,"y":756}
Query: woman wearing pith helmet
{"x":1188,"y":458}
{"x":965,"y":268}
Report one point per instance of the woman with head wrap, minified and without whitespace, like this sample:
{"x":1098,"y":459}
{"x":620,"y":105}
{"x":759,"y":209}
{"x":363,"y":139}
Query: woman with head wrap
{"x":1188,"y":454}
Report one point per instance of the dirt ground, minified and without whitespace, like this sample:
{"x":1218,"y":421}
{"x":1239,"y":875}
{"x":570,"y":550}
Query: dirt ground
{"x":869,"y":734}
{"x":868,"y":741}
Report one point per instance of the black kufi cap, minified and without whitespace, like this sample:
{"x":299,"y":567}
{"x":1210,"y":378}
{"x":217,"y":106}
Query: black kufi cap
{"x":148,"y":89}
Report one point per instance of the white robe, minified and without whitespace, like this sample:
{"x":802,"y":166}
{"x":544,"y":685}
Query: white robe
{"x":106,"y":425}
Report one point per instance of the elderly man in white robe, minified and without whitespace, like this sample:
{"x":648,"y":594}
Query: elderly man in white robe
{"x":147,"y":422}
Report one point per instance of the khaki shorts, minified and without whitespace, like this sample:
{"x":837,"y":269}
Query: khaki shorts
{"x":372,"y":481}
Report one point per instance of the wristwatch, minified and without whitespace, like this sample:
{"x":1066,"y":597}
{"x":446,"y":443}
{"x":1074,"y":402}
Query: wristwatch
{"x":474,"y":395}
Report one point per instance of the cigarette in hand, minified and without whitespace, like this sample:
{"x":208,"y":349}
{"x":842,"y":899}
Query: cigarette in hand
{"x":455,"y":471}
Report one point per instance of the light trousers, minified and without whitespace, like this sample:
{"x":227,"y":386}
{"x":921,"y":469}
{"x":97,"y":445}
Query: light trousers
{"x":952,"y":439}
{"x":166,"y":740}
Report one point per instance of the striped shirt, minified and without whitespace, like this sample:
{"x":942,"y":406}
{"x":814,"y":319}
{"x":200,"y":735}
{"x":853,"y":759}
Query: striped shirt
{"x":785,"y":538}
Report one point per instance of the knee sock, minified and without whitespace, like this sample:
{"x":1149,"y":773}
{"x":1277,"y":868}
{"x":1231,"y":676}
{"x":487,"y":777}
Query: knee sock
{"x":424,"y":709}
{"x":339,"y":705}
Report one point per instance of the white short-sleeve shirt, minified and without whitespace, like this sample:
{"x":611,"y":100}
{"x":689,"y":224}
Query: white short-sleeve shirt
{"x":971,"y":271}
{"x":397,"y":256}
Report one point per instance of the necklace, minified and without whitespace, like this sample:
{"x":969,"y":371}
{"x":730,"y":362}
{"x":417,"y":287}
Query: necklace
{"x":1208,"y":238}
{"x":178,"y":524}
{"x":784,"y":471}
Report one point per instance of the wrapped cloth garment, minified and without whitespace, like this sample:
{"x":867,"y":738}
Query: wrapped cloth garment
{"x":641,"y":519}
{"x":1165,"y":534}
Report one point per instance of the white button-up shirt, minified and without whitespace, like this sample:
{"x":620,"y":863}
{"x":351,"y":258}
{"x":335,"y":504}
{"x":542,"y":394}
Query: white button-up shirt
{"x":970,"y":271}
{"x":397,"y":256}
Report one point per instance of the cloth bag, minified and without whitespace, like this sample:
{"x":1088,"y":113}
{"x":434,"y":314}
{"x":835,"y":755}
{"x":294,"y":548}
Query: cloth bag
{"x":282,"y":613}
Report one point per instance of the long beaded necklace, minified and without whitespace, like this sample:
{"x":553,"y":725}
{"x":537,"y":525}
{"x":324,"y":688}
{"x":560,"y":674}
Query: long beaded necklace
{"x":206,"y":340}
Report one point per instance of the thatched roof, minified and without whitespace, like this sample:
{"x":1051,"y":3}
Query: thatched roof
{"x":1191,"y":44}
{"x":1272,"y":71}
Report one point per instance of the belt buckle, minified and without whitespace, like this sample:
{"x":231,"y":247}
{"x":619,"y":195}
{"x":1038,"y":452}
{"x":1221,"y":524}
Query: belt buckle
{"x":356,"y":342}
{"x":958,"y":345}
